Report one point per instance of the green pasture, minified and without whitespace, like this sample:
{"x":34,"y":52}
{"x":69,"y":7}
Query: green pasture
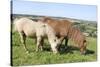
{"x":71,"y":55}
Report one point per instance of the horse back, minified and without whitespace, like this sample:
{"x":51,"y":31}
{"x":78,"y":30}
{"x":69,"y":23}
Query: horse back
{"x":60,"y":26}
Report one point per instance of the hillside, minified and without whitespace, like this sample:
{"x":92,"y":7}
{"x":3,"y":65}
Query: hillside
{"x":89,"y":28}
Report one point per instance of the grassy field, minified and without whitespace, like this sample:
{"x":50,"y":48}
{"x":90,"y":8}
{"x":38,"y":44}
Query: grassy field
{"x":20,"y":57}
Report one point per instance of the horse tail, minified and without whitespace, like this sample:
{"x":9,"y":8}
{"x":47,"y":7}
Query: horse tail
{"x":14,"y":25}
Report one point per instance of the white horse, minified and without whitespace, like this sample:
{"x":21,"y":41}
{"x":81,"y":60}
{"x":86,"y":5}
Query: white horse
{"x":29,"y":28}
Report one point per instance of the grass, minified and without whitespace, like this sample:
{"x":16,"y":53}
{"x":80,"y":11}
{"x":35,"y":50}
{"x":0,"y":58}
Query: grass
{"x":20,"y":57}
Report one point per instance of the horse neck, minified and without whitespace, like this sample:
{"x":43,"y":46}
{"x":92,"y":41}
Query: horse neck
{"x":50,"y":32}
{"x":76,"y":36}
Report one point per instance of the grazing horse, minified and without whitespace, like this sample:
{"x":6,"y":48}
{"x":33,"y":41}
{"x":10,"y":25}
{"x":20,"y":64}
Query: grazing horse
{"x":29,"y":28}
{"x":61,"y":27}
{"x":76,"y":35}
{"x":64,"y":30}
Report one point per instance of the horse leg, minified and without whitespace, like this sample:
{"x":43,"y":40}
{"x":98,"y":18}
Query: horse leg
{"x":41,"y":46}
{"x":66,"y":42}
{"x":61,"y":40}
{"x":38,"y":43}
{"x":23,"y":39}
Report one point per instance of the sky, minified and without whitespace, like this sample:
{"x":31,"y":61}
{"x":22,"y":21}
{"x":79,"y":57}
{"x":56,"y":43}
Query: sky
{"x":76,"y":11}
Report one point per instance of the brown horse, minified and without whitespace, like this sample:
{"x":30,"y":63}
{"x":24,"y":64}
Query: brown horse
{"x":64,"y":30}
{"x":60,"y":26}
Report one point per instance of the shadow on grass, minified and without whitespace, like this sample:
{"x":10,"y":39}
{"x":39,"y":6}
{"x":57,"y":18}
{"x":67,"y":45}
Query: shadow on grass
{"x":89,"y":52}
{"x":64,"y":49}
{"x":69,"y":49}
{"x":47,"y":48}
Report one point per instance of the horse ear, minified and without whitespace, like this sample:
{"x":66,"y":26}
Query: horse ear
{"x":45,"y":19}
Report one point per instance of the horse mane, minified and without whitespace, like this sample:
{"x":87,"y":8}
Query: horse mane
{"x":76,"y":35}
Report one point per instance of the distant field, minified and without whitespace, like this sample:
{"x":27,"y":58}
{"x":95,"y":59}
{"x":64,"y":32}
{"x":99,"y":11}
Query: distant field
{"x":19,"y":57}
